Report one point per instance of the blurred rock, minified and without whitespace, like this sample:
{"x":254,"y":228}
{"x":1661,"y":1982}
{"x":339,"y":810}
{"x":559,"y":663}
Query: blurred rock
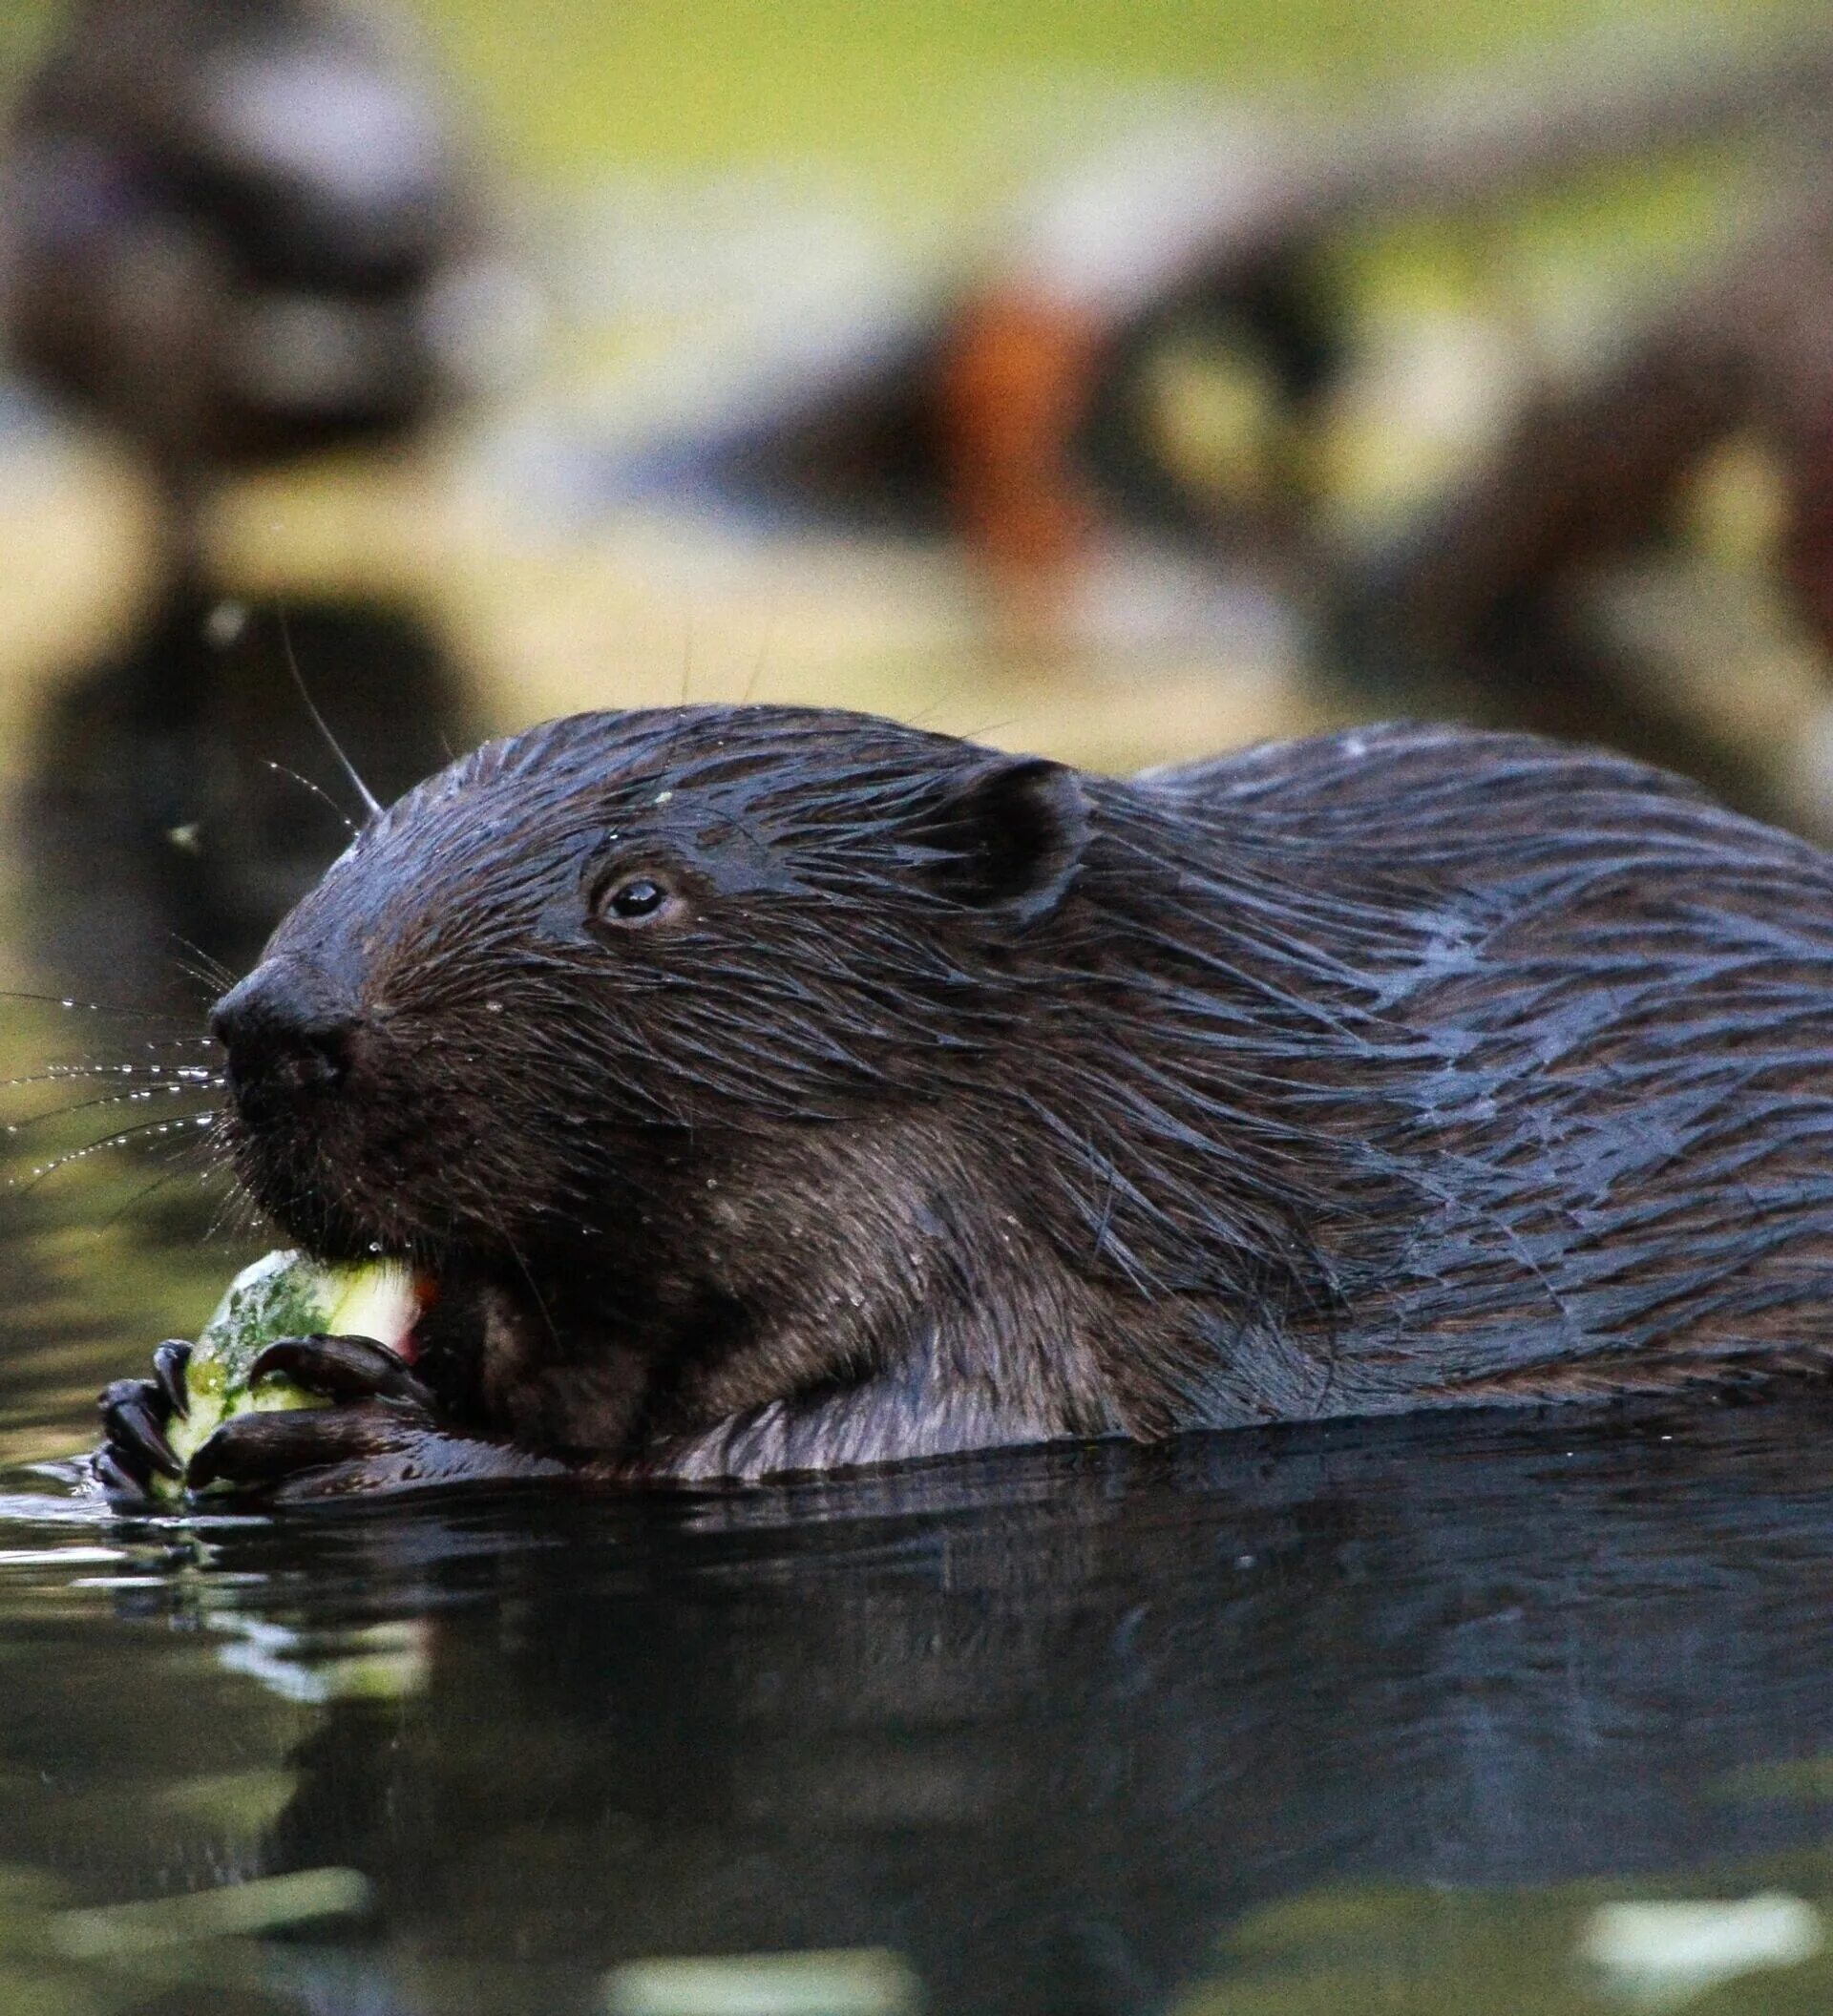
{"x":238,"y":230}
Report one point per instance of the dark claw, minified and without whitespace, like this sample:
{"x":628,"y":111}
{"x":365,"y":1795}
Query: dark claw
{"x":134,"y":1417}
{"x":254,"y":1450}
{"x":114,"y":1475}
{"x":168,"y":1370}
{"x":341,"y":1369}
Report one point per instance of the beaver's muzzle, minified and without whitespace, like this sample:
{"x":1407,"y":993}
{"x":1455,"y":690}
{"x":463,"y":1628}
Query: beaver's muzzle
{"x":289,"y":1039}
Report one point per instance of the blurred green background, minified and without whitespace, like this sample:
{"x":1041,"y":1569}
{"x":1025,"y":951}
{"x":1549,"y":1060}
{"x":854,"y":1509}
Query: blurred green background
{"x":684,"y":183}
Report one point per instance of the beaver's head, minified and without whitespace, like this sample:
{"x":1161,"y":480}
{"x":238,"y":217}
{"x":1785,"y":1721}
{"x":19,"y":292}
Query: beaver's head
{"x":611,"y":958}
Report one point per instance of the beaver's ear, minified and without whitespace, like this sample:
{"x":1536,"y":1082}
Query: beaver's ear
{"x":1008,"y":838}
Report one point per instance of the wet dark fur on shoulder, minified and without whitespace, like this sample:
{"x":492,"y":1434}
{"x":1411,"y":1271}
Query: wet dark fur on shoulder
{"x":775,"y":1089}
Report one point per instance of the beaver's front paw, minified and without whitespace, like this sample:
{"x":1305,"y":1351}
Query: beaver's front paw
{"x":376,"y":1433}
{"x":381,"y":1431}
{"x":136,"y":1413}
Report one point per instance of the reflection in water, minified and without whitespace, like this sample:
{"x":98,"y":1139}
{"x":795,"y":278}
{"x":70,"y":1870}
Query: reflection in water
{"x":1576,"y":1950}
{"x":1048,"y":1725}
{"x":164,"y":821}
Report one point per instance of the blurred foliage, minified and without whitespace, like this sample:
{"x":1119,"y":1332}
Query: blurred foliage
{"x":568,"y":85}
{"x":905,"y":129}
{"x":571,"y":82}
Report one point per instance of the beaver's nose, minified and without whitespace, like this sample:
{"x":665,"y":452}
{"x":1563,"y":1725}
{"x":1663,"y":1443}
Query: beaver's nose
{"x":286,"y":1039}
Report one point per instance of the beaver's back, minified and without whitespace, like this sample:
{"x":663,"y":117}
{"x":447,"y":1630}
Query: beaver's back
{"x":1613,"y":1107}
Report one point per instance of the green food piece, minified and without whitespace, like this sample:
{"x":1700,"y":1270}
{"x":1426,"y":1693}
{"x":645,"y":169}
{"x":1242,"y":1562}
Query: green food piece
{"x":287,"y":1294}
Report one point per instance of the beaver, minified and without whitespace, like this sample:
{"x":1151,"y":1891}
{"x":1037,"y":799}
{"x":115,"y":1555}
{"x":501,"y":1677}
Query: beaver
{"x":774,"y":1089}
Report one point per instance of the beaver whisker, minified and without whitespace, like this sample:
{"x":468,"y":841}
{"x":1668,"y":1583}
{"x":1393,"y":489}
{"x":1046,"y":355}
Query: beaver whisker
{"x":146,"y":1130}
{"x":109,"y":1010}
{"x":61,"y":1074}
{"x":318,"y":791}
{"x":183,"y":1165}
{"x":203,"y":966}
{"x":85,"y":1105}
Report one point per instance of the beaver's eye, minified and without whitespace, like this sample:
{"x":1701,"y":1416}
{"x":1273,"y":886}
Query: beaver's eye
{"x":633,"y":901}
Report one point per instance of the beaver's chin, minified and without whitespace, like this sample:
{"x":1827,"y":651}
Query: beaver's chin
{"x":304,"y":1194}
{"x":335,"y":1230}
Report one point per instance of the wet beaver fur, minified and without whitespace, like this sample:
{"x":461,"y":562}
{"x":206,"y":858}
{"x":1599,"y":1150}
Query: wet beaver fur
{"x":773,"y":1089}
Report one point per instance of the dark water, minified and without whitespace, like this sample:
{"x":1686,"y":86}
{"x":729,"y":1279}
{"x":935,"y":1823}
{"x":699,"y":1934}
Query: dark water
{"x":1055,"y":1729}
{"x":1361,"y":1717}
